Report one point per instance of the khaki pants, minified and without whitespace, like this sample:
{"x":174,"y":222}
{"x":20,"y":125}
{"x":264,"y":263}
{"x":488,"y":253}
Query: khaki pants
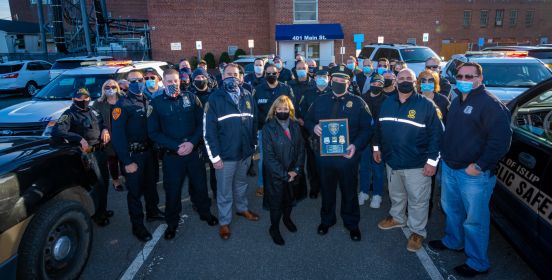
{"x":409,"y":188}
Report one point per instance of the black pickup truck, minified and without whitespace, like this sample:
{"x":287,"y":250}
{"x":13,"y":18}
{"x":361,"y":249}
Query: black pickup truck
{"x":46,"y":200}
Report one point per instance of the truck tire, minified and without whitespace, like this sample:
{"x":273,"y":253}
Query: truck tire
{"x":57,"y":242}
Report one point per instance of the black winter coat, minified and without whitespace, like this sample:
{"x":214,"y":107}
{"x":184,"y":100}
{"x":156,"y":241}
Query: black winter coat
{"x":281,"y":155}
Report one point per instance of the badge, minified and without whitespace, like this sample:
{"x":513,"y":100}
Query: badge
{"x":185,"y":103}
{"x":326,"y":140}
{"x":341,"y":68}
{"x":334,"y":139}
{"x":439,"y":113}
{"x":248,"y":105}
{"x":411,"y":114}
{"x":150,"y":109}
{"x":63,"y":118}
{"x":341,"y":139}
{"x":468,"y":110}
{"x":349,"y":104}
{"x":116,"y":113}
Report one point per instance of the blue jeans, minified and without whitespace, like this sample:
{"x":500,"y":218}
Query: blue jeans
{"x":260,"y":169}
{"x":370,"y":169}
{"x":465,"y":200}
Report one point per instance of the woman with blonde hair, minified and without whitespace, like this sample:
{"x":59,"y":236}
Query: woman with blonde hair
{"x":429,"y":86}
{"x":283,"y":164}
{"x":111,"y":93}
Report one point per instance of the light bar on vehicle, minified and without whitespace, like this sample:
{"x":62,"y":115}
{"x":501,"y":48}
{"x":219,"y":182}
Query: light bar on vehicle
{"x":517,"y":53}
{"x":485,"y":53}
{"x":107,"y":63}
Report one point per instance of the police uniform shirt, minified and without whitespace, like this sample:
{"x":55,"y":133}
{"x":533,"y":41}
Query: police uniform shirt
{"x":75,"y":124}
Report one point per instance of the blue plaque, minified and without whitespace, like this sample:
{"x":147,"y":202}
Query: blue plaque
{"x":334,"y":139}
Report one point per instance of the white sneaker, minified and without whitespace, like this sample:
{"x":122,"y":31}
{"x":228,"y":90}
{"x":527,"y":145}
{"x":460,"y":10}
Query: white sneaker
{"x":376,"y":201}
{"x":362,"y":197}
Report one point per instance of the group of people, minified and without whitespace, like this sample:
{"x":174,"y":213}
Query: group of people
{"x":402,"y":128}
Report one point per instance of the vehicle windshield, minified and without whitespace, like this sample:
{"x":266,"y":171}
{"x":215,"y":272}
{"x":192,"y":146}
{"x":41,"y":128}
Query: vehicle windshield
{"x":541,"y":54}
{"x":417,"y":55}
{"x":67,"y":64}
{"x":522,"y":75}
{"x":64,"y":85}
{"x":10,"y":68}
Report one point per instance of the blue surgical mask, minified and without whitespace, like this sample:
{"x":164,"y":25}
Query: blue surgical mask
{"x":136,"y":88}
{"x":366,"y":69}
{"x":278,"y":65}
{"x":351,"y":66}
{"x":427,"y":87}
{"x":301,"y":73}
{"x":270,"y":61}
{"x":259,"y":70}
{"x":381,"y":70}
{"x":321,"y":82}
{"x":360,"y":61}
{"x":150,"y":83}
{"x":464,"y":86}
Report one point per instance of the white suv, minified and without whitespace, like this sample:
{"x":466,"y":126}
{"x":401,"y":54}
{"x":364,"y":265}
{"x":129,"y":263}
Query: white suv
{"x":414,"y":56}
{"x":63,"y":64}
{"x":26,"y":75}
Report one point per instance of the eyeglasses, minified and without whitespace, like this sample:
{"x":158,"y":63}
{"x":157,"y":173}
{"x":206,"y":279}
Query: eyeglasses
{"x":430,"y":80}
{"x":140,"y":80}
{"x":432,"y":66}
{"x":467,"y":77}
{"x":110,"y":87}
{"x":149,"y":78}
{"x":382,"y":66}
{"x":271,"y":73}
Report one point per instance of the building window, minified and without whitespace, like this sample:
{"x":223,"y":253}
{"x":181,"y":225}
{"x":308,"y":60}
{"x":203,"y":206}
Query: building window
{"x":499,"y":18}
{"x":305,"y":10}
{"x":467,"y":18}
{"x":529,"y":18}
{"x":484,"y":20}
{"x":20,"y":41}
{"x":513,"y":17}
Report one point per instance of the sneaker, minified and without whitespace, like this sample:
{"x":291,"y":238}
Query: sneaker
{"x":414,"y":242}
{"x":376,"y":201}
{"x":389,"y":223}
{"x":362,"y":197}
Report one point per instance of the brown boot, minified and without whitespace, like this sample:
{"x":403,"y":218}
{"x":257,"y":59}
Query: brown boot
{"x":249,"y":215}
{"x":224,"y":232}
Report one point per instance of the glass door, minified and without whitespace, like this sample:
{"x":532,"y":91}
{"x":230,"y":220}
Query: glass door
{"x":310,"y":50}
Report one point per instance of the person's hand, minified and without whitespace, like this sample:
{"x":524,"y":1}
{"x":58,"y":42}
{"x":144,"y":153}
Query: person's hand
{"x":185,"y":148}
{"x":292,"y":175}
{"x":218,"y":164}
{"x":377,"y":156}
{"x":350,"y":151}
{"x":131,"y":168}
{"x":429,"y":170}
{"x":84,"y":145}
{"x":472,"y":171}
{"x":105,"y":136}
{"x":318,"y":130}
{"x":301,"y":122}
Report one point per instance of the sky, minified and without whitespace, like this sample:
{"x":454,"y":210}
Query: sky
{"x":5,"y":9}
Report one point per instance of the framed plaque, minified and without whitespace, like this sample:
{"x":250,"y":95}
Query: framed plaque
{"x":334,"y":139}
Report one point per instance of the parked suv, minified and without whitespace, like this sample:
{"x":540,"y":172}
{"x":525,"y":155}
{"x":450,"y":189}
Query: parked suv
{"x":63,"y":64}
{"x":46,"y":200}
{"x":414,"y":56}
{"x":24,"y":75}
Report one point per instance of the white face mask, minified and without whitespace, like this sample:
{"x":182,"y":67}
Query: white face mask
{"x":110,"y":92}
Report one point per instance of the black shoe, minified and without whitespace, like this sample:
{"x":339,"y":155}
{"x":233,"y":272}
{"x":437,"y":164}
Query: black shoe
{"x":467,"y":272}
{"x":290,"y":225}
{"x":109,"y":213}
{"x":158,"y":216}
{"x":355,"y":234}
{"x":276,"y":236}
{"x":438,"y":245}
{"x":170,"y":233}
{"x":101,"y":220}
{"x":141,"y":233}
{"x":313,"y":195}
{"x":210,"y":219}
{"x":323,"y":229}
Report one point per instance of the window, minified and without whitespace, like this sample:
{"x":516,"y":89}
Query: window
{"x":305,"y":10}
{"x":529,"y":18}
{"x":366,"y":52}
{"x":20,"y":41}
{"x":386,"y":53}
{"x":34,"y":66}
{"x":499,"y":18}
{"x":484,"y":19}
{"x":534,"y":118}
{"x":513,"y":17}
{"x":467,"y":18}
{"x":45,"y":65}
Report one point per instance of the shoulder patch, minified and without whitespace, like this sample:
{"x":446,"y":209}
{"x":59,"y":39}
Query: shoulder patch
{"x":150,"y":109}
{"x":439,"y":113}
{"x":63,"y":118}
{"x":116,"y":113}
{"x":349,"y":104}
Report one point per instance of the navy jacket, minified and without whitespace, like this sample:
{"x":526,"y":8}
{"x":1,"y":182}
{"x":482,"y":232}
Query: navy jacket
{"x":478,"y":131}
{"x":308,"y":98}
{"x":349,"y":107}
{"x":265,"y":96}
{"x":252,"y":79}
{"x":230,"y":129}
{"x":175,"y":120}
{"x":300,"y":89}
{"x":202,"y":95}
{"x":361,"y":80}
{"x":285,"y":75}
{"x":129,"y":124}
{"x":408,"y":133}
{"x":75,"y":124}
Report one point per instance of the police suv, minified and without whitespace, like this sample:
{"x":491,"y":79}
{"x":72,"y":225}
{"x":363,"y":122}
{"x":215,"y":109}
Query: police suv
{"x":505,"y":74}
{"x":37,"y":116}
{"x":414,"y":56}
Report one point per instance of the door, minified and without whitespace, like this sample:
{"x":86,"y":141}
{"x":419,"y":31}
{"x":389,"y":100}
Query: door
{"x":309,"y":50}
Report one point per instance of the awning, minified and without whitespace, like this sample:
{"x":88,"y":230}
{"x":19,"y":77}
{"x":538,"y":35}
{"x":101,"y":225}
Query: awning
{"x":309,"y":32}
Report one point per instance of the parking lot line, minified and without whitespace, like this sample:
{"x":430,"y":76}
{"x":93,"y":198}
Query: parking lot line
{"x":143,"y":255}
{"x":426,"y":261}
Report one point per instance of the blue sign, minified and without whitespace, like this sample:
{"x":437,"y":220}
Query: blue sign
{"x":481,"y":41}
{"x":308,"y":32}
{"x":358,"y":39}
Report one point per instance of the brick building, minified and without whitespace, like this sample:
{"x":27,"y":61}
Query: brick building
{"x":229,"y":24}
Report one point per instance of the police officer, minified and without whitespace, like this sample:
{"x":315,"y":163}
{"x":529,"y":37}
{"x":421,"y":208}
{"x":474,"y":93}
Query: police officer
{"x":257,"y":77}
{"x":211,"y":81}
{"x":311,"y":143}
{"x":301,"y":85}
{"x":285,"y":75}
{"x":152,"y":83}
{"x":341,"y":169}
{"x":83,"y":125}
{"x":131,"y":143}
{"x":363,"y":79}
{"x":175,"y":124}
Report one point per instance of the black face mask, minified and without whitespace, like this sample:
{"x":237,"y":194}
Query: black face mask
{"x":82,"y":104}
{"x":396,"y":72}
{"x":375,"y":90}
{"x":282,"y":115}
{"x":387,"y":82}
{"x":200,"y":85}
{"x":339,"y":88}
{"x":271,"y":79}
{"x":405,"y":87}
{"x":184,"y":85}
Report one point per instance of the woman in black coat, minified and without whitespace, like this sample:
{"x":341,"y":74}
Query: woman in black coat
{"x":284,"y":157}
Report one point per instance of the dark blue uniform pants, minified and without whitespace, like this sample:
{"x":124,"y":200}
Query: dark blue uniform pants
{"x":334,"y":170}
{"x":142,"y":182}
{"x":175,"y":170}
{"x":98,"y":162}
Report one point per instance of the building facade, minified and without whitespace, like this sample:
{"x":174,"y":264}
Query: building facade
{"x":279,"y":26}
